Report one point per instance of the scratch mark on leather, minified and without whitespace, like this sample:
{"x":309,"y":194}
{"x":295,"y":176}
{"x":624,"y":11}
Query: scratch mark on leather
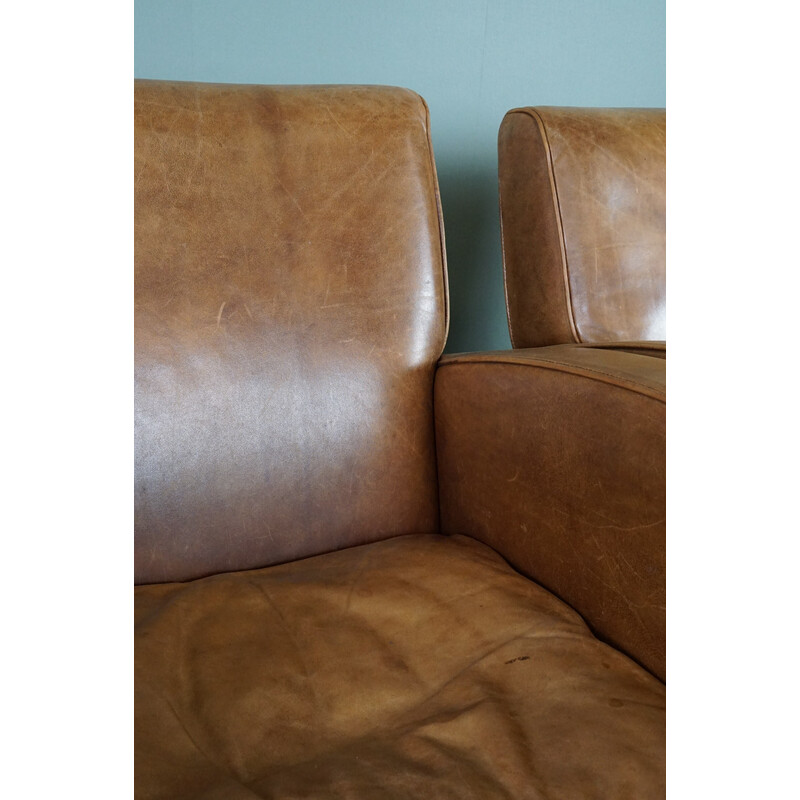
{"x":268,"y":535}
{"x":339,"y":213}
{"x":334,"y":118}
{"x":592,"y":144}
{"x":219,"y":314}
{"x":633,"y":570}
{"x":291,"y":197}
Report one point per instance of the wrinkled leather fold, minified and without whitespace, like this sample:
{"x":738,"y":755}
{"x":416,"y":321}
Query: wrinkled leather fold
{"x":555,"y":457}
{"x":420,"y":666}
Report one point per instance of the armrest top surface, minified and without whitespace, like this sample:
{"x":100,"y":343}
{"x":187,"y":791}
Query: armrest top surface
{"x":639,"y":366}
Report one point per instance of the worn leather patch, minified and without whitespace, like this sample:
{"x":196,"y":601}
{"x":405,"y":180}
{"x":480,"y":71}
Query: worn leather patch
{"x":421,"y":666}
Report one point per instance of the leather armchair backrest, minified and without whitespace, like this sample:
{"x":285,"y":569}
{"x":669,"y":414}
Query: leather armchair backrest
{"x":582,"y":199}
{"x":290,"y":305}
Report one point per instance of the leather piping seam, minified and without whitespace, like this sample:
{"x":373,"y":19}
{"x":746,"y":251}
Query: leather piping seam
{"x":534,"y":114}
{"x":647,"y":352}
{"x":656,"y":345}
{"x":503,"y":246}
{"x":446,"y":303}
{"x":440,"y":218}
{"x":586,"y":372}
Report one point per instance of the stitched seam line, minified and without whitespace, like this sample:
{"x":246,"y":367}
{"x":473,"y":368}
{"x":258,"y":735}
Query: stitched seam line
{"x":446,"y":300}
{"x":534,"y":114}
{"x":623,"y":383}
{"x":440,"y":218}
{"x":503,"y":244}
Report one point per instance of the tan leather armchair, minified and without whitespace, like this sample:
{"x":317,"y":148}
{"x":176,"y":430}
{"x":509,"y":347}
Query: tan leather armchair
{"x":582,"y":207}
{"x":336,"y":531}
{"x":578,"y":488}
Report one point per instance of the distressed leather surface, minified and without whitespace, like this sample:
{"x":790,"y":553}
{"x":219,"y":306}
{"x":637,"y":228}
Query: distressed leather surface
{"x":290,"y":303}
{"x":421,"y":666}
{"x":582,"y":197}
{"x":555,"y":457}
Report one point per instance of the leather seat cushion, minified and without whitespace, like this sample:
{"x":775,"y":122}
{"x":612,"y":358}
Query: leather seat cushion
{"x":419,"y":666}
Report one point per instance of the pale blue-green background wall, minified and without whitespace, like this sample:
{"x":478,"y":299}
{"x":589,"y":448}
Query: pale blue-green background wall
{"x":471,"y":60}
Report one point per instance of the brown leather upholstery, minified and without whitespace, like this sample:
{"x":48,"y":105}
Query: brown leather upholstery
{"x":290,"y":307}
{"x":290,"y":310}
{"x":555,"y":457}
{"x":419,"y":667}
{"x":582,"y":198}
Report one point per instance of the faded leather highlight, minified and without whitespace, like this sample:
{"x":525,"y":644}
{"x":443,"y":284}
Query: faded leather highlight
{"x":290,"y":305}
{"x":582,"y":196}
{"x":555,"y":457}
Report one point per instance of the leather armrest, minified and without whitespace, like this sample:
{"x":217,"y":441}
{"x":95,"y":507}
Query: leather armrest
{"x":654,"y":349}
{"x":555,"y":457}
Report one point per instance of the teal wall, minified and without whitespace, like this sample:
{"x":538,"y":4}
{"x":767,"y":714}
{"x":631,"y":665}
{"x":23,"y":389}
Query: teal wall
{"x":471,"y":60}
